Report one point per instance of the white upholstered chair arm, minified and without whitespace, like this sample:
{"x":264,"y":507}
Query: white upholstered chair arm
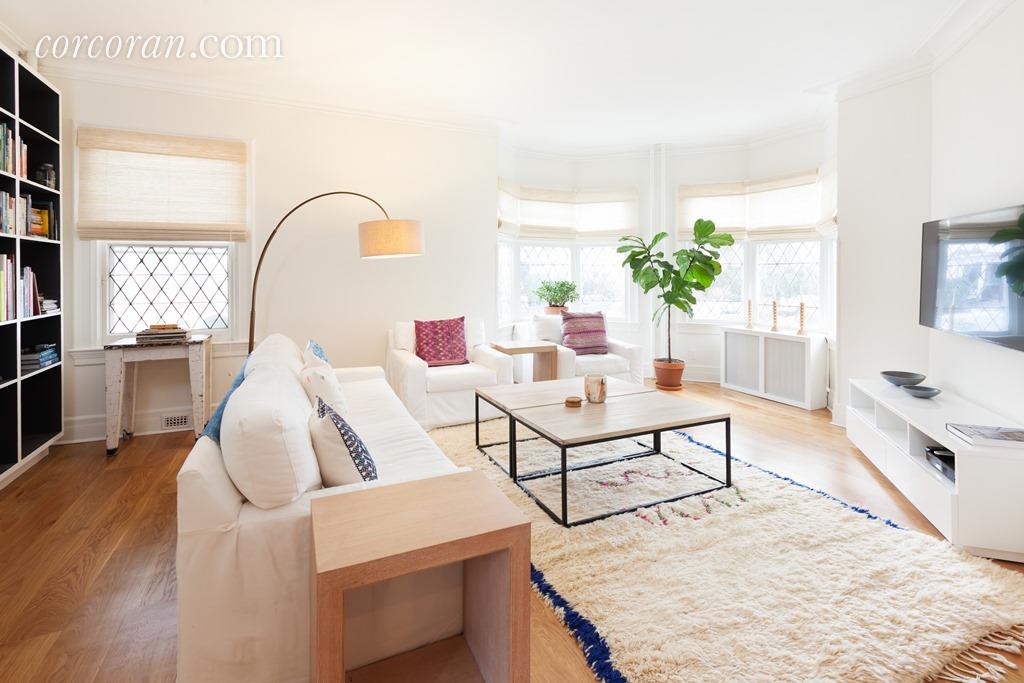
{"x":359,"y":374}
{"x":566,"y":362}
{"x":497,"y":361}
{"x":407,"y":375}
{"x":207,"y":498}
{"x":634,"y":353}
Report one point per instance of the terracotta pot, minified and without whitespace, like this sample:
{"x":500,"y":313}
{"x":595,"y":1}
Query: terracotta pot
{"x":556,"y":310}
{"x":668,"y":375}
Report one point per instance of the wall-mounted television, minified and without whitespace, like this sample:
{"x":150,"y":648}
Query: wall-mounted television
{"x":961,"y":291}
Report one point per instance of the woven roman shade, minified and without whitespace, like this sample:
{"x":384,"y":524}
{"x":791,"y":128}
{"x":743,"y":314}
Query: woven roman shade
{"x":143,"y":186}
{"x":790,"y":206}
{"x":538,"y":213}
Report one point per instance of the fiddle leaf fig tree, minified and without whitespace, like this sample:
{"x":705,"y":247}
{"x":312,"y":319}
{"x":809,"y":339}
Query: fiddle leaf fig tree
{"x":677,"y":277}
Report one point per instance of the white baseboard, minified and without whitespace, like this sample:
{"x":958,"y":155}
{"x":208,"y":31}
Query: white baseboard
{"x":82,"y":428}
{"x":702,"y":373}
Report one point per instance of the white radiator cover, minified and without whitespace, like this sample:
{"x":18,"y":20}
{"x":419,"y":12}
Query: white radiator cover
{"x":784,"y":367}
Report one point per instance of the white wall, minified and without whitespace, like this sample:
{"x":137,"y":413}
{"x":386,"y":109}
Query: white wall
{"x":313,"y":284}
{"x":884,"y":167}
{"x":943,"y":144}
{"x":978,"y":163}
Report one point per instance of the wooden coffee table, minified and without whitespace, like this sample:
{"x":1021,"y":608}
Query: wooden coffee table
{"x":631,"y":410}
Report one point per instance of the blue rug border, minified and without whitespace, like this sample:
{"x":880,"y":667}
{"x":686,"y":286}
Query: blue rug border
{"x":595,"y":647}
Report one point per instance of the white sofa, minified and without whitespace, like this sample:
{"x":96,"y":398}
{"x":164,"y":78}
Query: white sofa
{"x":623,"y":360}
{"x":243,"y":572}
{"x":444,"y":395}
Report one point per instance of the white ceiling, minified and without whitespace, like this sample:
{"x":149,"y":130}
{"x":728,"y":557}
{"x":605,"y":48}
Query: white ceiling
{"x":554,"y":75}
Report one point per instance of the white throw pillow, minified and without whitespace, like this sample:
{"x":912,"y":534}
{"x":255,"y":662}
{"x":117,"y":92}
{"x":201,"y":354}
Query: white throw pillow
{"x":264,"y":439}
{"x":405,"y":336}
{"x":548,"y":328}
{"x":320,"y":381}
{"x":276,"y":351}
{"x":343,"y":457}
{"x":314,"y":354}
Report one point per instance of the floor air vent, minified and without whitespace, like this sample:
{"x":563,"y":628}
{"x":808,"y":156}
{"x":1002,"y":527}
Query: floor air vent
{"x":176,"y":421}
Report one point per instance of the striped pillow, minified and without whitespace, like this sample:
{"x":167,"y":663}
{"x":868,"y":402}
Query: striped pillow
{"x":584,"y":332}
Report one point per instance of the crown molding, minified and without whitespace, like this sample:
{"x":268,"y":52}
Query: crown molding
{"x":677,"y":149}
{"x":148,"y":79}
{"x":964,"y":20}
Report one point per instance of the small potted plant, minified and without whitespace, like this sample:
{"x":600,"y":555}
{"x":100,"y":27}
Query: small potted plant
{"x":557,"y":293}
{"x":692,"y":269}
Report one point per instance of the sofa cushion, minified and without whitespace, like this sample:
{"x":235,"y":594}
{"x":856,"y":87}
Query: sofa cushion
{"x":320,"y":381}
{"x":342,"y":455}
{"x":276,"y":351}
{"x":441,"y":342}
{"x":548,"y":328}
{"x":265,"y":439}
{"x":400,"y":447}
{"x":601,"y":364}
{"x":584,"y":333}
{"x":459,"y":377}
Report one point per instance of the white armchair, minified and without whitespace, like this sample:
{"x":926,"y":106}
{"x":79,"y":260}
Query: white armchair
{"x":444,"y":395}
{"x":623,"y":360}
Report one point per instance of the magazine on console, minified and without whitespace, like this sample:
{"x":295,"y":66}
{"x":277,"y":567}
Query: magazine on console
{"x":981,"y":435}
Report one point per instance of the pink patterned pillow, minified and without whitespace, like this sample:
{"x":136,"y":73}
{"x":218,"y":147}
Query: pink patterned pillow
{"x":584,"y":332}
{"x":441,"y":342}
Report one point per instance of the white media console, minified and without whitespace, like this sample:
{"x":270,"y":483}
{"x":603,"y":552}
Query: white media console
{"x":983,"y":510}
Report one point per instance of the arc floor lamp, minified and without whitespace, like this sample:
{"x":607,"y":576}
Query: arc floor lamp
{"x":386,"y":238}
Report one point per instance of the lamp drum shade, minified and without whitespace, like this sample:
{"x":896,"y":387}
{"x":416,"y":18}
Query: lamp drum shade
{"x":387,"y":238}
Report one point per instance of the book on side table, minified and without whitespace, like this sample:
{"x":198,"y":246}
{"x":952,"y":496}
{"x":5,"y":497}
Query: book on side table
{"x":981,"y":435}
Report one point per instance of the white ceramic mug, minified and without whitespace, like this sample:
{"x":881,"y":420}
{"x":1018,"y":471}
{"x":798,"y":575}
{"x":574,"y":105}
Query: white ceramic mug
{"x":595,"y":388}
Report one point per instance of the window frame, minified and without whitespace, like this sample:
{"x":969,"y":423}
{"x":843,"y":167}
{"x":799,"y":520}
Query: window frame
{"x":631,"y":300}
{"x":826,"y":314}
{"x":103,"y":293}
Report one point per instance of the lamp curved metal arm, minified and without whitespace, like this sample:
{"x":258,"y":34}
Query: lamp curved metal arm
{"x":266,"y":245}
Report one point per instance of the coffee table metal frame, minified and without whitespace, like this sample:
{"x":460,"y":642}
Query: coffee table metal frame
{"x":565,"y":468}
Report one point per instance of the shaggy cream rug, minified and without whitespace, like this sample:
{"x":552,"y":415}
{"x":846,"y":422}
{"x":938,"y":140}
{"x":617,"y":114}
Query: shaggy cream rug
{"x":767,"y":581}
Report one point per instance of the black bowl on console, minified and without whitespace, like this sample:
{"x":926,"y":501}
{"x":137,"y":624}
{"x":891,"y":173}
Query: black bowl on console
{"x":902,"y":379}
{"x":921,"y":391}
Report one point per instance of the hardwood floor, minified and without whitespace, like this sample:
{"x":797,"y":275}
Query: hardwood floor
{"x":87,"y":581}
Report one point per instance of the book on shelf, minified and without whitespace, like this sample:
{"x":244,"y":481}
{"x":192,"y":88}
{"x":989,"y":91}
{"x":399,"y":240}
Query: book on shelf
{"x":29,"y":303}
{"x":6,"y":148}
{"x":22,"y":158}
{"x":44,"y":220}
{"x":38,"y":356}
{"x":8,"y":298}
{"x":7,"y":213}
{"x":982,"y":435}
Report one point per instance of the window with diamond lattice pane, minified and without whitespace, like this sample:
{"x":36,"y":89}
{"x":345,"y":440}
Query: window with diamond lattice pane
{"x":187,"y":285}
{"x":973,"y":298}
{"x":723,"y":300}
{"x":789,"y":272}
{"x":602,"y":282}
{"x":537,"y":263}
{"x":506,"y":277}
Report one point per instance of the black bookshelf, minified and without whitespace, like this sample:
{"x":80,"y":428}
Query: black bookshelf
{"x":31,"y":399}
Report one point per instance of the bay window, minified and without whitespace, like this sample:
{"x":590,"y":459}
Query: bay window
{"x":783,"y":251}
{"x":563,"y":235}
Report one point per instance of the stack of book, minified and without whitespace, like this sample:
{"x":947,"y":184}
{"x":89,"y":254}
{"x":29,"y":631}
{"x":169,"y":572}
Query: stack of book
{"x":8,"y":288}
{"x":983,"y":435}
{"x":48,"y":305}
{"x":162,"y":334}
{"x":37,"y":357}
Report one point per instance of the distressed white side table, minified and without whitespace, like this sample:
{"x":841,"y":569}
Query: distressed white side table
{"x":122,"y":358}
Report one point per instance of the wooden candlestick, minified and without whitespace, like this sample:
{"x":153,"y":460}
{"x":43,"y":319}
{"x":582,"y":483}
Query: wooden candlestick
{"x":801,"y":330}
{"x":750,"y":314}
{"x":775,"y":315}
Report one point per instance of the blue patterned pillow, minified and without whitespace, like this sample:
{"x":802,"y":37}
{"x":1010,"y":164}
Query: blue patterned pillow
{"x":316,"y":351}
{"x":213,"y":425}
{"x":343,"y":457}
